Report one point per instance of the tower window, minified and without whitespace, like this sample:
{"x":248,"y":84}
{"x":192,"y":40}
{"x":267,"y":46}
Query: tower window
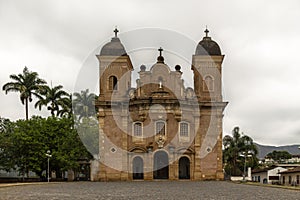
{"x":208,"y":84}
{"x":137,"y":129}
{"x":184,"y":129}
{"x":160,"y":128}
{"x":113,"y":83}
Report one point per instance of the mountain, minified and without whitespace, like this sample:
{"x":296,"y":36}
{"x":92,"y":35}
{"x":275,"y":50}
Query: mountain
{"x":263,"y":150}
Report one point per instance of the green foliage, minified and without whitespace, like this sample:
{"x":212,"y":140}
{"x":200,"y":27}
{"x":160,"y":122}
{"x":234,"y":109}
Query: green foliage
{"x":27,"y":84}
{"x":279,"y":155}
{"x":28,"y":141}
{"x":23,"y":144}
{"x":84,"y":104}
{"x":66,"y":108}
{"x":5,"y":143}
{"x":235,"y":147}
{"x":4,"y":125}
{"x":86,"y":121}
{"x":88,"y":131}
{"x":54,"y":98}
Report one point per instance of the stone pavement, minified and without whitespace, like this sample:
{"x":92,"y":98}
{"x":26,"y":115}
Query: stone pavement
{"x":145,"y":190}
{"x":21,"y":184}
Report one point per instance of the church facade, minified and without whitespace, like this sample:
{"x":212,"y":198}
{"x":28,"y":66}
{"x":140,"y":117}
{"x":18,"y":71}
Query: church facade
{"x":160,"y":129}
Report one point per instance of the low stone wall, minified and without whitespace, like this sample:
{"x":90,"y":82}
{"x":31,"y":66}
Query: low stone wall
{"x":239,"y":178}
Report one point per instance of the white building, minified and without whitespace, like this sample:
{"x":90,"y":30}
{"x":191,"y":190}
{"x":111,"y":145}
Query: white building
{"x":291,"y":177}
{"x":267,"y":175}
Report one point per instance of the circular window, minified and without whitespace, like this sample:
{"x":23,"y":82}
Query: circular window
{"x":113,"y":150}
{"x":208,"y":149}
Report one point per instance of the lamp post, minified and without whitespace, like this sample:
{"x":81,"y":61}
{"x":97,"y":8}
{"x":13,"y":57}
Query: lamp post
{"x":49,"y":156}
{"x":245,"y":155}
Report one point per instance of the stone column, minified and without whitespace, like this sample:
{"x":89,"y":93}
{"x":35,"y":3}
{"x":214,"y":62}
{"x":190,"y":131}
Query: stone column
{"x":148,"y":166}
{"x":125,"y":162}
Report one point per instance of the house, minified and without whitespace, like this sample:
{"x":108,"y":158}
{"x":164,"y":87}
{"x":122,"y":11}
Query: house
{"x":267,"y":175}
{"x":291,"y":177}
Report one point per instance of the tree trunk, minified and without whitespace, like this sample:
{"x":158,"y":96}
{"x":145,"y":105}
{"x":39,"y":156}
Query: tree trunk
{"x":26,"y":108}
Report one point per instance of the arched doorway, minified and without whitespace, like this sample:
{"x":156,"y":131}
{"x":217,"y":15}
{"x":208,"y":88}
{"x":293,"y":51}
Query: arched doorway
{"x":161,"y":165}
{"x":184,"y":168}
{"x":138,"y":168}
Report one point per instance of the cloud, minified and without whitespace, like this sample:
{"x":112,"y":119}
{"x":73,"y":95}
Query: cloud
{"x":260,"y":40}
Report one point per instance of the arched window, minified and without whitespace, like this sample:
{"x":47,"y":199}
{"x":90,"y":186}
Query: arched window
{"x":160,"y":128}
{"x":183,"y":129}
{"x":137,"y":129}
{"x":113,"y":83}
{"x":208,"y":83}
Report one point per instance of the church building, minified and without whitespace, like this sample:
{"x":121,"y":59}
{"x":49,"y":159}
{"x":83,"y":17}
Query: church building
{"x":160,"y":129}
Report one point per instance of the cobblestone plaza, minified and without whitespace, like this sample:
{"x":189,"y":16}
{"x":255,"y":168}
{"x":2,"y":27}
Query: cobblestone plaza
{"x":145,"y":190}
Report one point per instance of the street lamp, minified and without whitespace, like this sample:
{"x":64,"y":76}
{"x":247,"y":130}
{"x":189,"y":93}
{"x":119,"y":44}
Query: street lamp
{"x":49,"y":156}
{"x":245,"y":155}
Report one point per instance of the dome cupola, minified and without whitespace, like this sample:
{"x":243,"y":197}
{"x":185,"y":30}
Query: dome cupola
{"x":114,"y":47}
{"x":207,"y":46}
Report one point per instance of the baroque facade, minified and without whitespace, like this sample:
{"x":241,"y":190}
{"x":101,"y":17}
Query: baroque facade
{"x":160,"y":129}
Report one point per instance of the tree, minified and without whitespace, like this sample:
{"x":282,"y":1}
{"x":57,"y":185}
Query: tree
{"x":54,"y":98}
{"x":66,"y":110}
{"x":5,"y":143}
{"x":84,"y":104}
{"x":278,"y":156}
{"x":88,"y":131}
{"x":29,"y":140}
{"x":27,"y":84}
{"x":86,"y":120}
{"x":234,"y":147}
{"x":4,"y":125}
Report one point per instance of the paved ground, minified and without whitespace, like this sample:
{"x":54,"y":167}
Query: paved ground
{"x":145,"y":190}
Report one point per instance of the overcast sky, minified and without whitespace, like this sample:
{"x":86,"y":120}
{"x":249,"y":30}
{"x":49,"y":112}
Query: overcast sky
{"x":260,"y":40}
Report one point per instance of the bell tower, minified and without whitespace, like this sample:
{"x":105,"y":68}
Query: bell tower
{"x":115,"y":80}
{"x":207,"y":69}
{"x":115,"y":70}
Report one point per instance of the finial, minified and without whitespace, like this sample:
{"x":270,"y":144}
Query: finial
{"x":116,"y":32}
{"x":160,"y":51}
{"x":160,"y":58}
{"x":206,"y":32}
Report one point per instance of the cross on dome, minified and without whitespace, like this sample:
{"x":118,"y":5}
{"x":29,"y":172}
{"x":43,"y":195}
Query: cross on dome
{"x":160,"y":51}
{"x":160,"y":58}
{"x":206,"y":32}
{"x":116,"y":32}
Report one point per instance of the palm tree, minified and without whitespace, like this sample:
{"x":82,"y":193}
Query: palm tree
{"x":84,"y":104}
{"x":53,"y":98}
{"x":234,"y":146}
{"x":66,"y":109}
{"x":27,"y":84}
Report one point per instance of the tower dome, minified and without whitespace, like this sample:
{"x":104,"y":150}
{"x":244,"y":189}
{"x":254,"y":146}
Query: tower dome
{"x":114,"y":47}
{"x":207,"y":46}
